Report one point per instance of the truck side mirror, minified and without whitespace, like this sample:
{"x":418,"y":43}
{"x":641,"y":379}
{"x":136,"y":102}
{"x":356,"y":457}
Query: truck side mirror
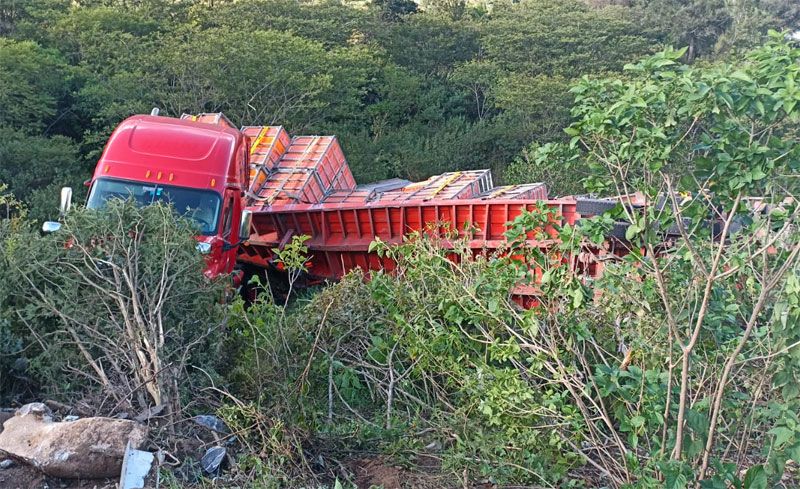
{"x":244,"y":226}
{"x":66,"y":203}
{"x":66,"y":200}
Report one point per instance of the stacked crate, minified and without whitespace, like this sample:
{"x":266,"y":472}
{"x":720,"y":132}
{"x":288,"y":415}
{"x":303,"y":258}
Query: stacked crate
{"x":216,"y":118}
{"x":267,"y":145}
{"x":312,"y":168}
{"x":447,"y":186}
{"x":363,"y":194}
{"x":528,"y":191}
{"x":355,"y":196}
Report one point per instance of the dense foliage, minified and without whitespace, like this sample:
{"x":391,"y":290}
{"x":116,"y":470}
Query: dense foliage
{"x":410,"y":92}
{"x":678,"y":367}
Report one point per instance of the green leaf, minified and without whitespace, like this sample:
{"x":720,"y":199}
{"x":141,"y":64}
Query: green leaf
{"x":794,"y":452}
{"x":675,"y":481}
{"x":577,"y":298}
{"x":755,"y":478}
{"x":632,"y":231}
{"x":757,"y":174}
{"x":782,"y":435}
{"x":742,"y":76}
{"x":760,"y":107}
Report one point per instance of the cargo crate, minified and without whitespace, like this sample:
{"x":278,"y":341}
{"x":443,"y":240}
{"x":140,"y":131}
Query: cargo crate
{"x":216,"y":118}
{"x":452,"y":185}
{"x":528,"y":191}
{"x":311,"y":169}
{"x":267,"y":145}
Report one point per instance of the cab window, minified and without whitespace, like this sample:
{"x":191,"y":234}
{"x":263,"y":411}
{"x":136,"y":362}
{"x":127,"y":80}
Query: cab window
{"x":227,"y":217}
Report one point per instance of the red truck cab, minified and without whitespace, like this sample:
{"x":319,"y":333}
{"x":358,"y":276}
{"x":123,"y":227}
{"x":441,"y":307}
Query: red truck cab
{"x":201,"y":169}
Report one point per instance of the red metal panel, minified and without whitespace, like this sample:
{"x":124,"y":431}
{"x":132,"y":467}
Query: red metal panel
{"x":190,"y":154}
{"x":310,"y":190}
{"x":342,"y":231}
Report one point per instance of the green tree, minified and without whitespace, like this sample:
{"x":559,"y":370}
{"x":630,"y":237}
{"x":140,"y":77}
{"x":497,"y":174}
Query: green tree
{"x":726,"y":135}
{"x":25,"y":14}
{"x":327,"y":22}
{"x":478,"y":79}
{"x":262,"y":77}
{"x":395,"y":10}
{"x":32,"y":84}
{"x":35,"y":167}
{"x":564,"y":38}
{"x":116,"y":71}
{"x":428,"y":44}
{"x":697,"y":24}
{"x":785,"y":12}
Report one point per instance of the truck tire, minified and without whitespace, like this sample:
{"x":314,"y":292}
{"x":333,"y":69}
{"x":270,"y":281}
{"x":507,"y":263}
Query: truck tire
{"x":593,"y":207}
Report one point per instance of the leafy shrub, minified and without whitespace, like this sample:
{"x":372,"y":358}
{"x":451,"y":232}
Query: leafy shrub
{"x":116,"y":302}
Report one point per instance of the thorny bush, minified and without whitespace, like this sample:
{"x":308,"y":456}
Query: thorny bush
{"x":115,"y":305}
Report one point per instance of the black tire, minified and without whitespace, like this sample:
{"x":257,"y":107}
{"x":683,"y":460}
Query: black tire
{"x":593,"y":207}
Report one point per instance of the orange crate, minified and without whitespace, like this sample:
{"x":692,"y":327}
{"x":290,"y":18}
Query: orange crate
{"x":528,"y":191}
{"x":216,"y":118}
{"x":451,"y":185}
{"x":267,"y":145}
{"x":311,"y":168}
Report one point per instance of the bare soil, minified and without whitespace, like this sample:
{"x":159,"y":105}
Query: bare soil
{"x":25,"y":477}
{"x":375,"y":472}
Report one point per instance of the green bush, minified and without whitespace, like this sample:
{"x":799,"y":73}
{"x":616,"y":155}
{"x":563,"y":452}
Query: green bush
{"x":116,"y":303}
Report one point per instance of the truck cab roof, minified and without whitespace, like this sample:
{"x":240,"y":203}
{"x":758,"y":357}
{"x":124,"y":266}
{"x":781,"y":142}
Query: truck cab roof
{"x":176,"y":152}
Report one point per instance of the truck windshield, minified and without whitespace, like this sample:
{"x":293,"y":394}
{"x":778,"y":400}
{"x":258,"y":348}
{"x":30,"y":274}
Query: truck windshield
{"x":202,"y":206}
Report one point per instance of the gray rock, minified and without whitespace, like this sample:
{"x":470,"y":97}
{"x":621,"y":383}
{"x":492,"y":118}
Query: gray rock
{"x":35,"y":409}
{"x":88,"y":448}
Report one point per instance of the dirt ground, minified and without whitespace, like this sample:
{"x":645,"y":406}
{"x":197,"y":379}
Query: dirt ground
{"x":25,"y":477}
{"x":378,"y":471}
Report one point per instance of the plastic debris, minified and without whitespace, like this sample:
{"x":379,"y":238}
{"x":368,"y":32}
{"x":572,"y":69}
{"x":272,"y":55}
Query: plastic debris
{"x":6,"y":464}
{"x":212,"y":422}
{"x":212,"y":460}
{"x":136,"y":466}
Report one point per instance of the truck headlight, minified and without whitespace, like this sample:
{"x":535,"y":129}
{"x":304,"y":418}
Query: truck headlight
{"x":204,"y":248}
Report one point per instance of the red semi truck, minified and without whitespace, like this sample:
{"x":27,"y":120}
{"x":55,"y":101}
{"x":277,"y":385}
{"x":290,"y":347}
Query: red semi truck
{"x":250,"y":190}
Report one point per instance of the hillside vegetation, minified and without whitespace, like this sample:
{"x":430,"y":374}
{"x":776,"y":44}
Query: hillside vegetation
{"x":408,"y":93}
{"x":679,"y":367}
